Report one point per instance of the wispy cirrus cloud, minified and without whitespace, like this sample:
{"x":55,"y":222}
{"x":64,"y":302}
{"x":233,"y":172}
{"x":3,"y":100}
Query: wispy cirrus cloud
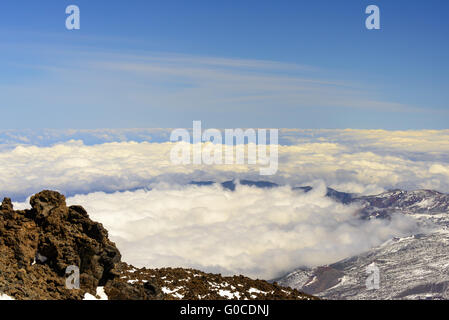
{"x":95,"y":88}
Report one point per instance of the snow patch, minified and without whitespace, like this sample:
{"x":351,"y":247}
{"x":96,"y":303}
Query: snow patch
{"x":100,"y":293}
{"x":5,"y":297}
{"x":228,"y":294}
{"x":173,"y":292}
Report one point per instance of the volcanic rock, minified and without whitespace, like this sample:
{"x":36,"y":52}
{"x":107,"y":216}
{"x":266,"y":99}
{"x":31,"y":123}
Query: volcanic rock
{"x":38,"y":245}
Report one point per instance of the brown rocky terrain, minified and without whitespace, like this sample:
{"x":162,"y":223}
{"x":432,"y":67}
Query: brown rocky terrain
{"x":37,"y":246}
{"x":190,"y":284}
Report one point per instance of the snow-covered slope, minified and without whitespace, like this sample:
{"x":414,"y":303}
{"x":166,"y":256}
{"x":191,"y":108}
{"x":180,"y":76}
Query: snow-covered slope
{"x":407,"y":202}
{"x":415,"y":267}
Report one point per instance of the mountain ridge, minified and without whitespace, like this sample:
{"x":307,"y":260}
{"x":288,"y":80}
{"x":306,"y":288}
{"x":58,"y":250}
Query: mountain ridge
{"x":414,"y":267}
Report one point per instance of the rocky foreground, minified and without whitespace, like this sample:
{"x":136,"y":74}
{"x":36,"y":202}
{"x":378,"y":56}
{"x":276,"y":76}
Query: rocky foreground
{"x":37,"y":246}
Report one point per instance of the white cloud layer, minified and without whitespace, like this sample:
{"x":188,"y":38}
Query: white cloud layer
{"x":257,"y":232}
{"x":361,"y":161}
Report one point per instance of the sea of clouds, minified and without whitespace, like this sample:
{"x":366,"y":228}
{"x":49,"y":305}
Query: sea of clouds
{"x":261,"y":233}
{"x":157,"y":219}
{"x":361,"y":161}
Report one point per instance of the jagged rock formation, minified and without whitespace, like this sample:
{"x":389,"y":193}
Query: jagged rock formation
{"x":37,"y":246}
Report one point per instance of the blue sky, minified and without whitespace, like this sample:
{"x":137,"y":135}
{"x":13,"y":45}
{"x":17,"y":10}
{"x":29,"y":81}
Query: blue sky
{"x":303,"y":64}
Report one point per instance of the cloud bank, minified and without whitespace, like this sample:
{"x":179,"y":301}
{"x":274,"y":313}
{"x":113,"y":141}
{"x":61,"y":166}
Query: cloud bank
{"x":257,"y":232}
{"x":360,"y":161}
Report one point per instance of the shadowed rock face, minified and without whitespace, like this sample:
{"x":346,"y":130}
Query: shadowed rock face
{"x":37,"y":245}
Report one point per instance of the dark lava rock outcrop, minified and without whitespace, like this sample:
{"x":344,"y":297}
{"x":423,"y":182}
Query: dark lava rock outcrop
{"x":39,"y":244}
